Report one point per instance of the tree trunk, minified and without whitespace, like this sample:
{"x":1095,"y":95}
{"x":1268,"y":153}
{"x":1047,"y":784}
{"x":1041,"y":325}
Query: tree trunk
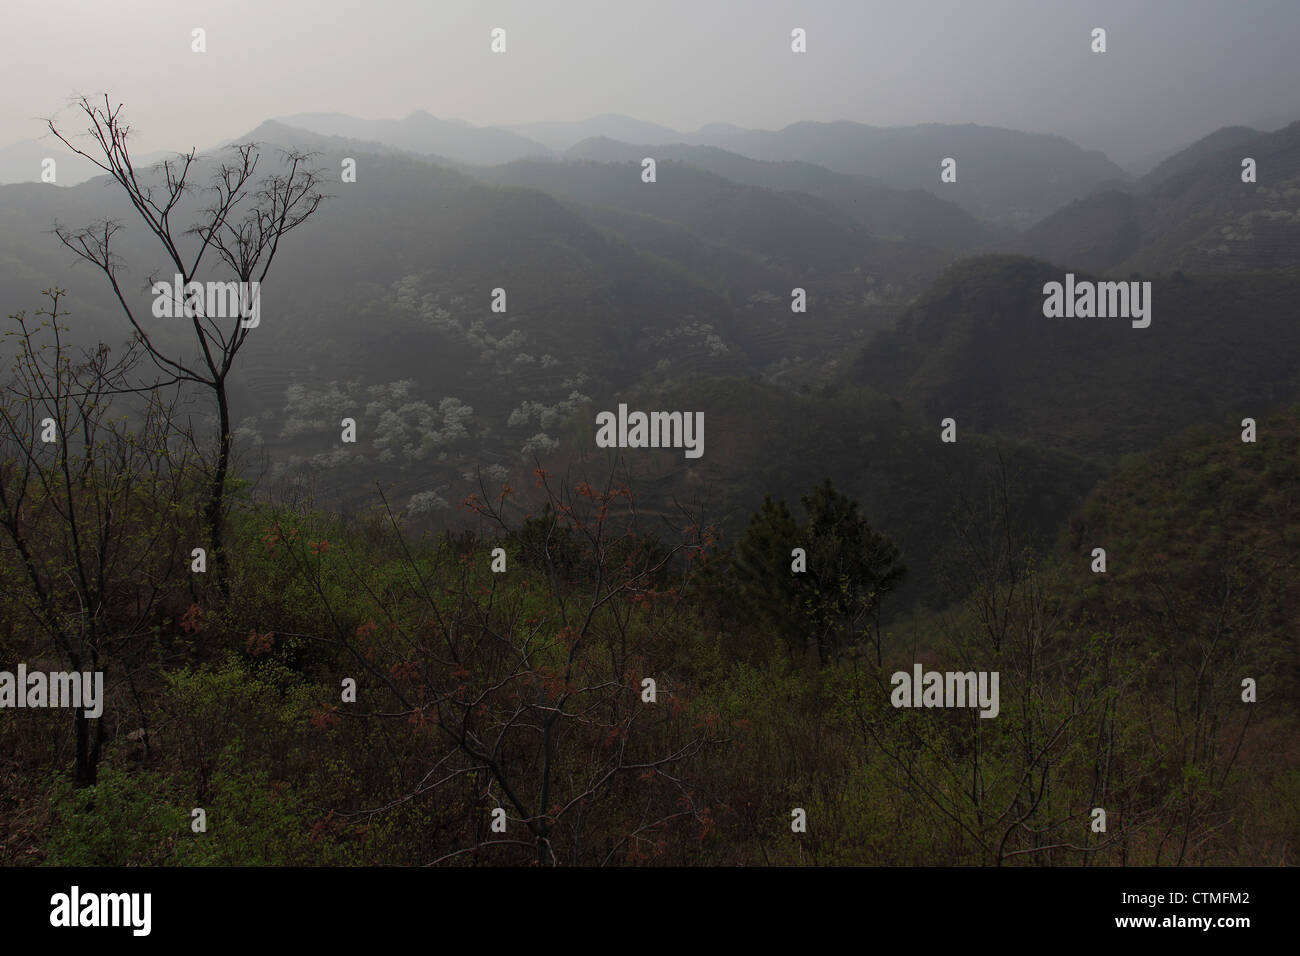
{"x":86,"y":771}
{"x":214,"y":512}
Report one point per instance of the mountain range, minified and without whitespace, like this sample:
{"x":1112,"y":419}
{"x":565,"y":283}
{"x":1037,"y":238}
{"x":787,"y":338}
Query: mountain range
{"x":921,"y":304}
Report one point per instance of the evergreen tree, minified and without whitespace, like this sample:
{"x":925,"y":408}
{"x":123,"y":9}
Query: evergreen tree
{"x":850,"y":568}
{"x":766,"y":588}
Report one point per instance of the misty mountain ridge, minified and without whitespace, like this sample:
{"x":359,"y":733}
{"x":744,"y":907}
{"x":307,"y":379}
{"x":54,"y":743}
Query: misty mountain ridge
{"x":1007,"y":177}
{"x":1227,"y":137}
{"x":21,"y":162}
{"x":1004,"y":176}
{"x":882,"y":210}
{"x":420,"y":132}
{"x":1192,"y":213}
{"x":976,"y":346}
{"x":562,"y":135}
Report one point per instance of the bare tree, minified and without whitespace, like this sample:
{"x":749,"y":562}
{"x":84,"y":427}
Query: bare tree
{"x":242,"y":227}
{"x":91,"y":509}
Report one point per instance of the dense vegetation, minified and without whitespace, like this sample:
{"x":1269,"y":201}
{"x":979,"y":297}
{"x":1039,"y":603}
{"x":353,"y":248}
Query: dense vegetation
{"x":523,"y":689}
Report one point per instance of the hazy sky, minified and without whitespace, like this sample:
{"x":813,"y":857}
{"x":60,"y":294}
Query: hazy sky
{"x":1175,"y":69}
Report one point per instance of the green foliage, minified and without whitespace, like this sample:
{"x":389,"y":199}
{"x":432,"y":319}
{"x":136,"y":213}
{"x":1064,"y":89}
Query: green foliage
{"x":850,"y":568}
{"x":253,"y":820}
{"x":125,"y":819}
{"x":766,"y":589}
{"x":133,"y":818}
{"x":545,"y":544}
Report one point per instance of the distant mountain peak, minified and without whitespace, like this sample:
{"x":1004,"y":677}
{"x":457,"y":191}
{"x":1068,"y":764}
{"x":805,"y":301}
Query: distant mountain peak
{"x":421,"y":132}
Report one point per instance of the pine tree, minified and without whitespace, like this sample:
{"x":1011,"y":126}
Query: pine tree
{"x":850,"y":568}
{"x":767,"y":589}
